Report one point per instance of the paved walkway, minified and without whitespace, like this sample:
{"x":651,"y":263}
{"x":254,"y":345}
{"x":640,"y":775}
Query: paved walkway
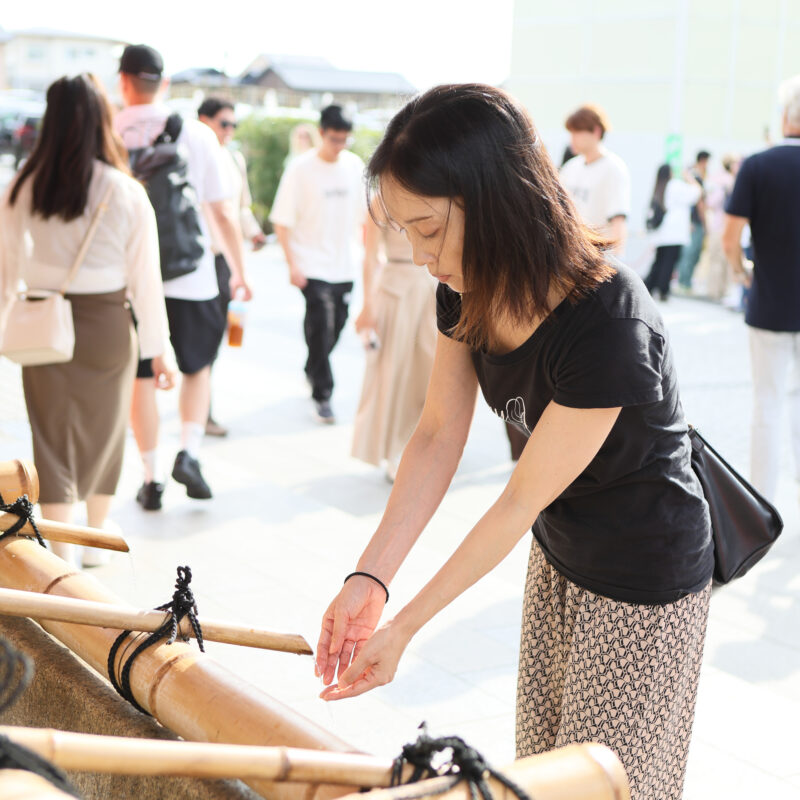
{"x":292,"y":511}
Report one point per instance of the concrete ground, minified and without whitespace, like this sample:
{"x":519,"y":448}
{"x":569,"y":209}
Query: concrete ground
{"x":292,"y":511}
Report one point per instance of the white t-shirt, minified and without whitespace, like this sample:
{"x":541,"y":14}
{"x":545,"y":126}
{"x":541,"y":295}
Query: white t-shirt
{"x":600,"y":190}
{"x":139,"y":126}
{"x":324,"y":206}
{"x":679,"y":197}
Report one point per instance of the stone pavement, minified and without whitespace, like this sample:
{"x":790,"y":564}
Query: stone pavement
{"x":292,"y":511}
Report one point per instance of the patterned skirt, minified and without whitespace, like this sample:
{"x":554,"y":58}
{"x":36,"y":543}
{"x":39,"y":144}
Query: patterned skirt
{"x":593,"y":669}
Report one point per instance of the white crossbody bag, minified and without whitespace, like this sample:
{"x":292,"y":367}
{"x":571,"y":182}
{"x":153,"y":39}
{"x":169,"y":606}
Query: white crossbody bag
{"x":39,"y":328}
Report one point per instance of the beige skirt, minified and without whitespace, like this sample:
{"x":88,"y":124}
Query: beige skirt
{"x":78,"y":410}
{"x":397,"y":373}
{"x":592,"y":669}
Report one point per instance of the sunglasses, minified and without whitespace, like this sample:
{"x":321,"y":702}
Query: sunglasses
{"x":226,"y":124}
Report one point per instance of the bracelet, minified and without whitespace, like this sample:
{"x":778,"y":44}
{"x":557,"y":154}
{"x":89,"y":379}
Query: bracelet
{"x":372,"y":577}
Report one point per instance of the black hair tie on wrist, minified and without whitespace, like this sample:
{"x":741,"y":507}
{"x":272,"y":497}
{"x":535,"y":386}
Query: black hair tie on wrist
{"x":372,"y":577}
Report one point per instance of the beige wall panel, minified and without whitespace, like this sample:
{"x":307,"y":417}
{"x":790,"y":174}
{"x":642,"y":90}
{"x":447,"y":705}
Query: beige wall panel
{"x":756,"y":55}
{"x":631,"y":49}
{"x":708,"y":52}
{"x":704,"y":111}
{"x":753,"y":110}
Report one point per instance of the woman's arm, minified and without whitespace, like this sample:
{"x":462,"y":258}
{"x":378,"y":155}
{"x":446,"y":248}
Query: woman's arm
{"x":562,"y":445}
{"x":426,"y":470}
{"x":367,"y":319}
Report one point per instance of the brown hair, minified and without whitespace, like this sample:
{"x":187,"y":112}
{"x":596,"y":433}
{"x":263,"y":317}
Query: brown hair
{"x":587,"y":118}
{"x":76,"y":131}
{"x":522,"y":236}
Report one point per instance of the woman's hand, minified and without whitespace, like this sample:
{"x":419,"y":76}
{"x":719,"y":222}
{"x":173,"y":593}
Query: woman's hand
{"x":375,"y":663}
{"x":367,"y":319}
{"x":164,"y":375}
{"x":348,"y":623}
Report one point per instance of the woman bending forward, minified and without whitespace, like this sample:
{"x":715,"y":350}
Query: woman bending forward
{"x":566,"y":343}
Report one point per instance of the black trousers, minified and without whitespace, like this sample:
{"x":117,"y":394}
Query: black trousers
{"x":326,"y":314}
{"x":664,"y":265}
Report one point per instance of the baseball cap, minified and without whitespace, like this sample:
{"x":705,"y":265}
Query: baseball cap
{"x":142,"y":62}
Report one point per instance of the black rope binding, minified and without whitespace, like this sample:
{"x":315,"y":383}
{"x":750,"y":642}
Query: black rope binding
{"x":16,"y":672}
{"x":23,"y":508}
{"x":465,"y":764}
{"x":182,"y":605}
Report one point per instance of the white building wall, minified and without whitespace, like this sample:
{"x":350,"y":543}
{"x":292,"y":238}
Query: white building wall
{"x":34,"y":61}
{"x":707,"y":70}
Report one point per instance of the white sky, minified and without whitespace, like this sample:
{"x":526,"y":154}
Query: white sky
{"x":428,"y":41}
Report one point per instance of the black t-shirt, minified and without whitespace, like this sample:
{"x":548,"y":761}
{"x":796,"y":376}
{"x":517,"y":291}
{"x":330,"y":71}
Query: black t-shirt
{"x":767,"y":192}
{"x":634,"y":526}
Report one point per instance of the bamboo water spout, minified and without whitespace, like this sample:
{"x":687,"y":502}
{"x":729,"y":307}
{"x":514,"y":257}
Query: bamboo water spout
{"x":575,"y":772}
{"x":85,"y":612}
{"x":184,"y":689}
{"x":18,"y":478}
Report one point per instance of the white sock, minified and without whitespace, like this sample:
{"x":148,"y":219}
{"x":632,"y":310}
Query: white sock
{"x":152,"y":468}
{"x":191,"y":437}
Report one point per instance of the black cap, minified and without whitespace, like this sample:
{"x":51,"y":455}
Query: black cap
{"x":142,"y":62}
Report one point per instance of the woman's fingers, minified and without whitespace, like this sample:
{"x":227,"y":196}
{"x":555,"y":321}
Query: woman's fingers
{"x":345,"y":655}
{"x":341,"y":692}
{"x":322,"y":646}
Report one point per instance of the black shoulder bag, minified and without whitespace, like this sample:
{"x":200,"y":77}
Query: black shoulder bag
{"x":743,"y":523}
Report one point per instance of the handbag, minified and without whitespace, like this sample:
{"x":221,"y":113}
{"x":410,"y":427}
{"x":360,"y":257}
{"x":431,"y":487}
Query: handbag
{"x":744,"y":525}
{"x":39,"y":328}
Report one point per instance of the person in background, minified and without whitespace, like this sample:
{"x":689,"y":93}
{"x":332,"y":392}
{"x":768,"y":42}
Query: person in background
{"x":196,"y":321}
{"x":219,"y":114}
{"x":319,"y":214}
{"x":670,"y":209}
{"x":715,"y":265}
{"x":767,"y":196}
{"x":302,"y":138}
{"x":690,"y":254}
{"x":565,"y":341}
{"x":597,"y":180}
{"x":78,"y":410}
{"x":398,"y":324}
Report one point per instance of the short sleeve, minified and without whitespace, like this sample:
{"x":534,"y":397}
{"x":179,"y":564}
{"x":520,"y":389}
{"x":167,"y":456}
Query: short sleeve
{"x":448,"y":309}
{"x":617,"y":363}
{"x":216,"y":183}
{"x":740,"y":203}
{"x":618,"y":193}
{"x":284,"y":209}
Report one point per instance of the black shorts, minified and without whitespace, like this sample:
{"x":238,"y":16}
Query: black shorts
{"x":196,"y":328}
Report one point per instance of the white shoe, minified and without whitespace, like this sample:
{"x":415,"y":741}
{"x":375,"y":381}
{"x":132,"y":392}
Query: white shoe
{"x":96,"y":556}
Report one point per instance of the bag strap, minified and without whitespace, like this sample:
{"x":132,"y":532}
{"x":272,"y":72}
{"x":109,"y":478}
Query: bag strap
{"x":87,"y":239}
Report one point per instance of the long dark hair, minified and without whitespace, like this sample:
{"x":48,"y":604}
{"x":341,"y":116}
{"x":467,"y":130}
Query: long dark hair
{"x":522,"y":235}
{"x":662,"y":179}
{"x":75,"y":131}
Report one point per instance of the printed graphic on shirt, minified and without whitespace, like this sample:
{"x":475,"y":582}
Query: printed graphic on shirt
{"x":515,"y":413}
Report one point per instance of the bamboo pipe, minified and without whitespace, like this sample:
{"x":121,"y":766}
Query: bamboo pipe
{"x":85,"y":612}
{"x":184,"y":689}
{"x":17,"y":478}
{"x":71,"y":534}
{"x":575,"y":772}
{"x":119,"y":755}
{"x":19,"y":784}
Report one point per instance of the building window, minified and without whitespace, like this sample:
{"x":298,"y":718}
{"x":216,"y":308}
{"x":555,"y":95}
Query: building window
{"x":36,"y":52}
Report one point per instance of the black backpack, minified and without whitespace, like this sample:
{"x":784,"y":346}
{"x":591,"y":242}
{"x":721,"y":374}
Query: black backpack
{"x":163,"y":169}
{"x":655,"y":216}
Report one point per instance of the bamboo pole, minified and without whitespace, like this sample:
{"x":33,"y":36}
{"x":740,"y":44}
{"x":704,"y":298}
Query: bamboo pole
{"x":575,"y":772}
{"x":184,"y":689}
{"x":19,"y":784}
{"x":17,"y":478}
{"x":119,"y":755}
{"x":85,"y":612}
{"x":71,"y":534}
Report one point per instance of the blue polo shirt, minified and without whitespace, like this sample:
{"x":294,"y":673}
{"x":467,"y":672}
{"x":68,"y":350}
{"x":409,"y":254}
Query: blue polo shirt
{"x":767,"y":192}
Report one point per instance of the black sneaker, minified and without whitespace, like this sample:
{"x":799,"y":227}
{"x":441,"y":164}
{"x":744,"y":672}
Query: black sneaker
{"x":149,"y":496}
{"x":324,"y":412}
{"x":187,"y":472}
